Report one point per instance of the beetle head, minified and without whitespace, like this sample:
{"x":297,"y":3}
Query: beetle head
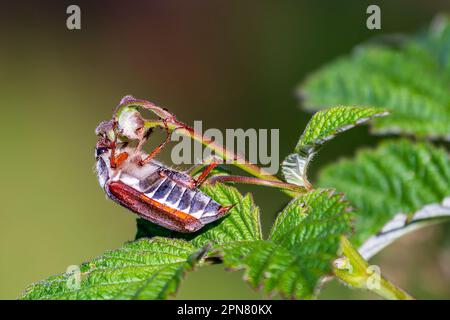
{"x":106,"y":137}
{"x":106,"y":130}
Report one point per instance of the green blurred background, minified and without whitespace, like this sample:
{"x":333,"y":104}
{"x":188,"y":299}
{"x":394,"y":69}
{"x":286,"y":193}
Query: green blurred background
{"x":229,"y":63}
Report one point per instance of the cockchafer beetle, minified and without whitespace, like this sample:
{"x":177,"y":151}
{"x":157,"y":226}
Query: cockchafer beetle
{"x":153,"y":191}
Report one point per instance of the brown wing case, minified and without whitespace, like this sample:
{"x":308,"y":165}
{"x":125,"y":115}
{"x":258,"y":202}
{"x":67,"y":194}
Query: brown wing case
{"x":168,"y":204}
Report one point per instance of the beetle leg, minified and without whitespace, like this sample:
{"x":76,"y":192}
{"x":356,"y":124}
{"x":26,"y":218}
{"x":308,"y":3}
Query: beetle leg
{"x":185,"y":179}
{"x":205,"y":173}
{"x":162,"y":113}
{"x":144,"y":139}
{"x":199,"y":166}
{"x":214,"y":162}
{"x":158,"y":148}
{"x":179,"y":178}
{"x":116,"y":161}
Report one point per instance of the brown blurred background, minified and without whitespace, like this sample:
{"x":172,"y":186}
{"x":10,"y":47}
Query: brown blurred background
{"x":229,"y":63}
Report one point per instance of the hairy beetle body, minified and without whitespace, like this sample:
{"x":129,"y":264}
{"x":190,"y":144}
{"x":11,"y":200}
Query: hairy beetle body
{"x":156,"y":193}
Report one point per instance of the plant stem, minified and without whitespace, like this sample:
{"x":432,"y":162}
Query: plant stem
{"x":389,"y":291}
{"x":358,"y":276}
{"x":355,"y":271}
{"x":226,"y":155}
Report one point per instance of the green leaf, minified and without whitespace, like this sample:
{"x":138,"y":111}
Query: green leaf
{"x":153,"y":268}
{"x":412,"y":81}
{"x":402,"y":224}
{"x":301,"y":247}
{"x":144,"y":269}
{"x":399,"y":177}
{"x":242,"y":224}
{"x":323,"y":126}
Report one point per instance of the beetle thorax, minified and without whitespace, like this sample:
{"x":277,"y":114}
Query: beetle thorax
{"x":130,"y":171}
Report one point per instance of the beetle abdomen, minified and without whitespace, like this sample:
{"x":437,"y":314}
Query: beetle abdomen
{"x":190,"y":201}
{"x":165,"y":202}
